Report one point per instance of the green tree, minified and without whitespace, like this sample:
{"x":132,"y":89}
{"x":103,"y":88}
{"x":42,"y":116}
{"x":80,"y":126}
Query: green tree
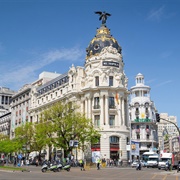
{"x":24,"y":137}
{"x":43,"y":133}
{"x":68,"y":125}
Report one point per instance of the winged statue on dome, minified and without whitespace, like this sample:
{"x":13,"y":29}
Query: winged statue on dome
{"x":103,"y":16}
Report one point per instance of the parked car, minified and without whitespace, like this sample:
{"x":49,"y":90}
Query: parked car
{"x":134,"y":163}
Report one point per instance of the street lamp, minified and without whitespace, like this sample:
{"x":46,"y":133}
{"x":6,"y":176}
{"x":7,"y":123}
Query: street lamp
{"x":176,"y":128}
{"x":152,"y":145}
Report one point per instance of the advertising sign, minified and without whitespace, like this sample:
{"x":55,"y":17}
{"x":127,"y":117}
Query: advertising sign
{"x":134,"y":148}
{"x":95,"y":156}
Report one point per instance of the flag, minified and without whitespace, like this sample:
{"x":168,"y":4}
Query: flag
{"x":117,"y":98}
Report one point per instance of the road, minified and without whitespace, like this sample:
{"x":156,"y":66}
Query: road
{"x":102,"y":174}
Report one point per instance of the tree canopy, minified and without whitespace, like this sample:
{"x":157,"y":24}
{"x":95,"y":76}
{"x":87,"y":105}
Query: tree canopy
{"x":68,"y":124}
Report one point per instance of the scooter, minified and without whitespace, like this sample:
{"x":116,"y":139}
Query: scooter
{"x":65,"y":167}
{"x":48,"y":167}
{"x":167,"y":167}
{"x":138,"y":167}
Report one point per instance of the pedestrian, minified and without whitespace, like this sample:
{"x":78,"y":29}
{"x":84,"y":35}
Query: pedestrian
{"x":15,"y":161}
{"x":37,"y":162}
{"x":98,"y":163}
{"x":129,"y":162}
{"x":81,"y":162}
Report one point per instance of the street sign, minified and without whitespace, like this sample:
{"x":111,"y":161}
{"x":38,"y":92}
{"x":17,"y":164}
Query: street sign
{"x":76,"y":143}
{"x":71,"y":143}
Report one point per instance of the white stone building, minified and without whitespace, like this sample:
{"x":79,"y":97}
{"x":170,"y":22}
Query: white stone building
{"x":5,"y":114}
{"x":5,"y":98}
{"x":143,"y":116}
{"x":20,"y":101}
{"x":99,"y":88}
{"x":164,"y":127}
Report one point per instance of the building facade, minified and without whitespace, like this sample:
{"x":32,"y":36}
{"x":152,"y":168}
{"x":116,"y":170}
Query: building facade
{"x":21,"y":101}
{"x":5,"y":114}
{"x":5,"y":122}
{"x":5,"y":99}
{"x":142,"y":113}
{"x":100,"y":90}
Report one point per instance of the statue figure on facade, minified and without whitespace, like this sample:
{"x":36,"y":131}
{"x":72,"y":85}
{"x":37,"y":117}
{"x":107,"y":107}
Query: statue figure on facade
{"x":103,"y":16}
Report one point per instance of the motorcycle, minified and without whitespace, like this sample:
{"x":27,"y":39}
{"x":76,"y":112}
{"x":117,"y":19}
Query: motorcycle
{"x":49,"y":167}
{"x":167,"y":167}
{"x":65,"y":167}
{"x":138,"y":167}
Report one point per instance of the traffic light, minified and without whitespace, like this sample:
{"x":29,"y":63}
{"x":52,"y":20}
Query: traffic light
{"x":157,"y":117}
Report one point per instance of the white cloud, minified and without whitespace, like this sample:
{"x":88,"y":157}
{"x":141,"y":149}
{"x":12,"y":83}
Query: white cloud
{"x":156,"y":14}
{"x":16,"y":76}
{"x":164,"y":83}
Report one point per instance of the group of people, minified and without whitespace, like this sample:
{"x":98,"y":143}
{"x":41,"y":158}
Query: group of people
{"x":81,"y":164}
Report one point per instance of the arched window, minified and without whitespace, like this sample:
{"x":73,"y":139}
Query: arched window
{"x":114,"y":139}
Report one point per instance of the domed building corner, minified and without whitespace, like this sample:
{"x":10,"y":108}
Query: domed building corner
{"x":105,"y":94}
{"x":100,"y":91}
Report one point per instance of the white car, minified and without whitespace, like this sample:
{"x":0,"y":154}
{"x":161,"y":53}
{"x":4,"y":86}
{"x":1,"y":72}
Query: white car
{"x":134,"y":163}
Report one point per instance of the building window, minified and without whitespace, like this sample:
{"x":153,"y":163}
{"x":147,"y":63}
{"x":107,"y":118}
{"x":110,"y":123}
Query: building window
{"x":110,"y":80}
{"x":114,"y":139}
{"x":97,"y":81}
{"x":137,"y":113}
{"x":96,"y":103}
{"x":147,"y":136}
{"x":97,"y":120}
{"x":112,"y":120}
{"x":111,"y":103}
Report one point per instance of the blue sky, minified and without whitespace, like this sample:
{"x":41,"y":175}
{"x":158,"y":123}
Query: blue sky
{"x":51,"y":35}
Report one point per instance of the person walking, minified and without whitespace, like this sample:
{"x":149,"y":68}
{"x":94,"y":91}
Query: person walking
{"x":98,"y":163}
{"x":81,"y":162}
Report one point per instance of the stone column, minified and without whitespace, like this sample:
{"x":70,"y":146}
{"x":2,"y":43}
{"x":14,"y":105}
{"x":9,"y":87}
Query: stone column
{"x":86,"y":108}
{"x":106,"y":111}
{"x":102,"y":110}
{"x":123,"y":114}
{"x":89,"y":107}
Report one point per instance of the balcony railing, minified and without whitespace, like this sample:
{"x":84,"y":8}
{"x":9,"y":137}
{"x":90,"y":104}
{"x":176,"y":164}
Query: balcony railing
{"x":96,"y":106}
{"x":111,"y":106}
{"x":113,"y":126}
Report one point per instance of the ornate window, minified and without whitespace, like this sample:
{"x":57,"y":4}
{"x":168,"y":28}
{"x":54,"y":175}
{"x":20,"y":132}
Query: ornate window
{"x":110,"y":80}
{"x":96,"y":103}
{"x":97,"y":120}
{"x":97,"y":81}
{"x":111,"y":103}
{"x":112,"y":120}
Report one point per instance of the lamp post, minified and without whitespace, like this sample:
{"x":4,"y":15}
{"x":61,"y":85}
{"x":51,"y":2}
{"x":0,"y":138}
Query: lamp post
{"x":152,"y":145}
{"x":176,"y":128}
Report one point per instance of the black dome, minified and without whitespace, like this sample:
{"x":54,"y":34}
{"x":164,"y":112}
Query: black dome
{"x":101,"y":40}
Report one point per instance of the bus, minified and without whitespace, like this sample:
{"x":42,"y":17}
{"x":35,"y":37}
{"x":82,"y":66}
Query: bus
{"x":145,"y":155}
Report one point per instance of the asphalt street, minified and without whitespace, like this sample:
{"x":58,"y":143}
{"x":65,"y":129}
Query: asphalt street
{"x":114,"y":173}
